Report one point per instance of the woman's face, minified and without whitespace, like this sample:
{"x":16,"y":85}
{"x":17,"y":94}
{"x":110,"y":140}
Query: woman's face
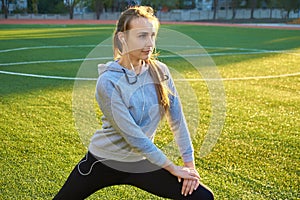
{"x":140,"y":39}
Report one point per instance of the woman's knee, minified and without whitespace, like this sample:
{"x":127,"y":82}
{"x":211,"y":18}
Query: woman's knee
{"x":210,"y":195}
{"x":203,"y":192}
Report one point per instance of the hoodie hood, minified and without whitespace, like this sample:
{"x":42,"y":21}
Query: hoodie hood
{"x":113,"y":66}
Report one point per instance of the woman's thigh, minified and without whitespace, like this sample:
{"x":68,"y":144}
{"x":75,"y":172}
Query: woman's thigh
{"x":164,"y":184}
{"x":88,"y":176}
{"x":92,"y":174}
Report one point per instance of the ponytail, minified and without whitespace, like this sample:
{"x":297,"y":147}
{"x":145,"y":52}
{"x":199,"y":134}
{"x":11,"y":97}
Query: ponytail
{"x":162,"y":89}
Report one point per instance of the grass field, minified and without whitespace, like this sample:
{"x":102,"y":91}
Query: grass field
{"x":256,"y":155}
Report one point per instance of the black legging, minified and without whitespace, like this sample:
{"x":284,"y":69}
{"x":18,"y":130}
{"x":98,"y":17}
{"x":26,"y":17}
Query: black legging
{"x":91,"y":175}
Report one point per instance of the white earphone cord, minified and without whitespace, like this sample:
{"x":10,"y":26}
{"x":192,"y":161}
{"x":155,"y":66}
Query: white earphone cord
{"x":86,"y":158}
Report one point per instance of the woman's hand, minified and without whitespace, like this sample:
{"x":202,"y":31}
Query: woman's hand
{"x":189,"y":185}
{"x":183,"y":172}
{"x":190,"y":175}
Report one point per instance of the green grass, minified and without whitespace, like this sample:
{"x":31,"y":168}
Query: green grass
{"x":256,"y":156}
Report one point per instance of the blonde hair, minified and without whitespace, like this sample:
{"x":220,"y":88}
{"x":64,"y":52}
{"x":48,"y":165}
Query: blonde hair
{"x":156,"y":72}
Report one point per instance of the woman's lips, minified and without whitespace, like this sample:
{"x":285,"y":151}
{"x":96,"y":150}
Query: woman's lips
{"x":147,"y":51}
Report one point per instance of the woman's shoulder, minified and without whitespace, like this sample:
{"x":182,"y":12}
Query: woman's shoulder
{"x":162,"y":66}
{"x":108,"y":78}
{"x":109,"y":70}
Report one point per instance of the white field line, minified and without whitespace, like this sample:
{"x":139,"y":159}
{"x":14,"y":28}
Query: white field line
{"x":177,"y":80}
{"x":48,"y":77}
{"x":248,"y":51}
{"x":162,"y":56}
{"x":161,"y":46}
{"x":46,"y":47}
{"x":54,"y":61}
{"x":239,"y":78}
{"x":88,"y":46}
{"x":252,"y":51}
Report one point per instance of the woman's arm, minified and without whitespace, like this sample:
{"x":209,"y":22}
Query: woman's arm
{"x":179,"y":127}
{"x":178,"y":124}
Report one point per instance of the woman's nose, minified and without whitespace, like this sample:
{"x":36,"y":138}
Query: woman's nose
{"x":150,"y":42}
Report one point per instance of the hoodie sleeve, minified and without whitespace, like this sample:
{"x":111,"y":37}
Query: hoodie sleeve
{"x":113,"y":107}
{"x":177,"y":121}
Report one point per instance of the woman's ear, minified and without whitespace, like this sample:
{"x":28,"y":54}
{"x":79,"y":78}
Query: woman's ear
{"x":121,"y":37}
{"x":122,"y":44}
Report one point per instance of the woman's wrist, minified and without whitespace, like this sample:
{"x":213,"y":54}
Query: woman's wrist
{"x":190,"y":164}
{"x":170,"y":167}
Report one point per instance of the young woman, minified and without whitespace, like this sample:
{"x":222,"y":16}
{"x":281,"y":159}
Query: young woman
{"x":134,"y":92}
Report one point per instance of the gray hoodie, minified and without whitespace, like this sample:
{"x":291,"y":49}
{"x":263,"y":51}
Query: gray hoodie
{"x":131,"y":114}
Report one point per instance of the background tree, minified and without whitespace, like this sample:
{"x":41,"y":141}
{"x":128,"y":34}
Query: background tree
{"x":35,"y":6}
{"x":185,"y":4}
{"x":107,"y":5}
{"x":253,"y":6}
{"x":120,"y":5}
{"x":160,"y":4}
{"x":234,"y":5}
{"x":52,"y":7}
{"x":32,"y":6}
{"x":70,"y":4}
{"x":289,"y":5}
{"x":215,"y":7}
{"x":98,"y":7}
{"x":4,"y":8}
{"x":271,"y":4}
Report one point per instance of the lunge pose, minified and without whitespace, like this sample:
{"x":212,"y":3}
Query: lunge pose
{"x":134,"y":92}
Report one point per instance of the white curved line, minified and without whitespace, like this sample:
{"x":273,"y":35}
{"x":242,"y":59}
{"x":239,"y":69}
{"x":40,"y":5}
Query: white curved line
{"x":255,"y":51}
{"x":239,"y":78}
{"x":53,"y":61}
{"x":177,"y":80}
{"x":48,"y":77}
{"x":48,"y":47}
{"x":182,"y":46}
{"x":162,"y":56}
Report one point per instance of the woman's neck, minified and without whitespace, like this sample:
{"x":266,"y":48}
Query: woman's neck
{"x":135,"y":65}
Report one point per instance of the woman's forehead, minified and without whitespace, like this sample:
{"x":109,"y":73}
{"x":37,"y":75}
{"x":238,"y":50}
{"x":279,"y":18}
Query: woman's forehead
{"x":142,"y":23}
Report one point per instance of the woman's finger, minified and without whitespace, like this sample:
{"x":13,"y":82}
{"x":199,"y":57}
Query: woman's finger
{"x":186,"y":186}
{"x":194,"y":186}
{"x":179,"y":179}
{"x":190,"y":186}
